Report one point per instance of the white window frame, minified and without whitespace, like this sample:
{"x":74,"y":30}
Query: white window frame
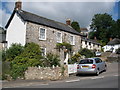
{"x":40,"y":36}
{"x":59,"y":41}
{"x":44,"y":52}
{"x":72,"y":42}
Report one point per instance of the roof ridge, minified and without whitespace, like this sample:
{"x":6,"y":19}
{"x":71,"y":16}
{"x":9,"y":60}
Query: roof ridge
{"x":43,"y":17}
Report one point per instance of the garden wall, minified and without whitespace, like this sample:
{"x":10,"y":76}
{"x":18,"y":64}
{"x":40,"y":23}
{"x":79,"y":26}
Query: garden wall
{"x":46,"y":73}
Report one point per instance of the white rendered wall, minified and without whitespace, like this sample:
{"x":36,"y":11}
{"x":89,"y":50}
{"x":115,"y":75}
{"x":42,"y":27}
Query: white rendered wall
{"x":16,"y":32}
{"x":108,"y":47}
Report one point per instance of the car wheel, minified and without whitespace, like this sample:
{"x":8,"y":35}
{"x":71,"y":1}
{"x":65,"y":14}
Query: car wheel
{"x":97,"y":72}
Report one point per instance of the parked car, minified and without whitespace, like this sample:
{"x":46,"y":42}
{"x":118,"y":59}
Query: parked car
{"x":91,"y":66}
{"x":98,"y":53}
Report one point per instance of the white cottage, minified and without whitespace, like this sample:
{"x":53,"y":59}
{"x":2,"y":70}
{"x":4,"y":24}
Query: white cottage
{"x":112,"y":45}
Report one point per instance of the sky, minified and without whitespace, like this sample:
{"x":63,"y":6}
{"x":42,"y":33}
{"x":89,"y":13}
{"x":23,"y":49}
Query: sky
{"x":81,"y":12}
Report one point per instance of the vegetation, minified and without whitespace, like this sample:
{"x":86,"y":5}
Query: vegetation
{"x":75,"y":25}
{"x":86,"y":52}
{"x":12,"y":52}
{"x":51,"y":60}
{"x":64,"y":45}
{"x":23,"y":57}
{"x":74,"y":58}
{"x":104,"y":27}
{"x":118,"y":51}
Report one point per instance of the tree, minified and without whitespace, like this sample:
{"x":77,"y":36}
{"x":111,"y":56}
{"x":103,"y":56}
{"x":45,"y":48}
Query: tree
{"x":75,"y":25}
{"x":101,"y":24}
{"x":12,"y":52}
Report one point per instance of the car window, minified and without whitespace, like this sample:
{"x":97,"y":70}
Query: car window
{"x":86,"y":61}
{"x":98,"y":60}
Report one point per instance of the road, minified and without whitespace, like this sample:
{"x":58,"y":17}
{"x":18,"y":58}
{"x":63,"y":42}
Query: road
{"x":108,"y":79}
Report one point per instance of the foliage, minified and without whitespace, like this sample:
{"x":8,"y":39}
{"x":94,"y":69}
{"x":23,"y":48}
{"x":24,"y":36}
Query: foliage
{"x":75,"y":25}
{"x":31,"y":56}
{"x":74,"y":58}
{"x":118,"y":51}
{"x":51,"y":60}
{"x":86,"y":52}
{"x":104,"y":27}
{"x":12,"y":52}
{"x":64,"y":45}
{"x":5,"y":69}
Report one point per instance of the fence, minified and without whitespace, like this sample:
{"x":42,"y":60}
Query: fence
{"x":72,"y":68}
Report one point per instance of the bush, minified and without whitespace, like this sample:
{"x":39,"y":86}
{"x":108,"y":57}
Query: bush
{"x":74,"y":58}
{"x":12,"y":52}
{"x":51,"y":60}
{"x":86,"y":52}
{"x":31,"y":56}
{"x":118,"y":51}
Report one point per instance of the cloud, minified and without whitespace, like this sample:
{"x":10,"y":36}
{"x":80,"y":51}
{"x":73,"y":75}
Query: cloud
{"x":60,"y":11}
{"x":4,"y":18}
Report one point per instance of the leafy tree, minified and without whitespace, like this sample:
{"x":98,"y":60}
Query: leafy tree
{"x":86,"y":52}
{"x":75,"y":25}
{"x":101,"y":24}
{"x":12,"y":52}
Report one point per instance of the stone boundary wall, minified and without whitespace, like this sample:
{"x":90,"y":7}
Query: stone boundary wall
{"x":46,"y":73}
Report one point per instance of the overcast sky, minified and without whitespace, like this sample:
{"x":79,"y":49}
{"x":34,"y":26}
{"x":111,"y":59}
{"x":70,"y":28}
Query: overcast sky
{"x":60,"y":11}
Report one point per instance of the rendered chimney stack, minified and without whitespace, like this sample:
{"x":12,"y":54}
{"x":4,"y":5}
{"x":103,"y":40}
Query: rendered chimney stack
{"x":68,"y":22}
{"x":110,"y":39}
{"x":18,"y":5}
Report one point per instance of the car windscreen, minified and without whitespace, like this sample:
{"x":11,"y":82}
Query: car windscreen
{"x":86,"y":61}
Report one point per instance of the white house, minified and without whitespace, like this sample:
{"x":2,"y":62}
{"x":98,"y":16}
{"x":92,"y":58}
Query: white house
{"x":112,"y":45}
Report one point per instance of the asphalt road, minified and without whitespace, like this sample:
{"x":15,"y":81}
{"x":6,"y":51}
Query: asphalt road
{"x":108,"y":79}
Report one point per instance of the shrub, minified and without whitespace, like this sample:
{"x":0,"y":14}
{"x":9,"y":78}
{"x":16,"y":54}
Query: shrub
{"x":31,"y":56}
{"x":118,"y":51}
{"x":51,"y":60}
{"x":12,"y":52}
{"x":86,"y":52}
{"x":74,"y":58}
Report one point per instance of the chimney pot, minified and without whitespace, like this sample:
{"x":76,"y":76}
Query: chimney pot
{"x":110,"y":39}
{"x":68,"y":22}
{"x":18,"y":5}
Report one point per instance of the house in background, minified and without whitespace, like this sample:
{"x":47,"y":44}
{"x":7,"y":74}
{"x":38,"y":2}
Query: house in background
{"x":2,"y":39}
{"x":112,"y":45}
{"x":84,"y":31}
{"x":90,"y":44}
{"x":25,"y":27}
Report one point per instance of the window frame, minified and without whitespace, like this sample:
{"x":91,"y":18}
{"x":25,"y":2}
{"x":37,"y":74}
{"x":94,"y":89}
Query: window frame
{"x":40,"y":33}
{"x":72,"y":43}
{"x":58,"y":37}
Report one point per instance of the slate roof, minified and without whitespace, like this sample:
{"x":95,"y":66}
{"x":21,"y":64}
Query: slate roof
{"x":30,"y":17}
{"x":90,"y":40}
{"x":115,"y":41}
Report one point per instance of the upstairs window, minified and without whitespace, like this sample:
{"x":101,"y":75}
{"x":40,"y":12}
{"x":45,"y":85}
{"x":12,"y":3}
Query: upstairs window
{"x":72,"y":40}
{"x":42,"y":34}
{"x":59,"y":37}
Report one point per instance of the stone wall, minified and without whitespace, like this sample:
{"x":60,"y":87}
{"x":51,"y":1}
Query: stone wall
{"x":46,"y":73}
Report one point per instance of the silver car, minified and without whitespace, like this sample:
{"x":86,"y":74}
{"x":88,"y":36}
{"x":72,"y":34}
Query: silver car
{"x":91,"y":66}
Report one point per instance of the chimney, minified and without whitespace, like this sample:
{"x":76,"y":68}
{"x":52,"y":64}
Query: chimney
{"x":95,"y":38}
{"x":68,"y":22}
{"x":18,"y":5}
{"x":110,"y":39}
